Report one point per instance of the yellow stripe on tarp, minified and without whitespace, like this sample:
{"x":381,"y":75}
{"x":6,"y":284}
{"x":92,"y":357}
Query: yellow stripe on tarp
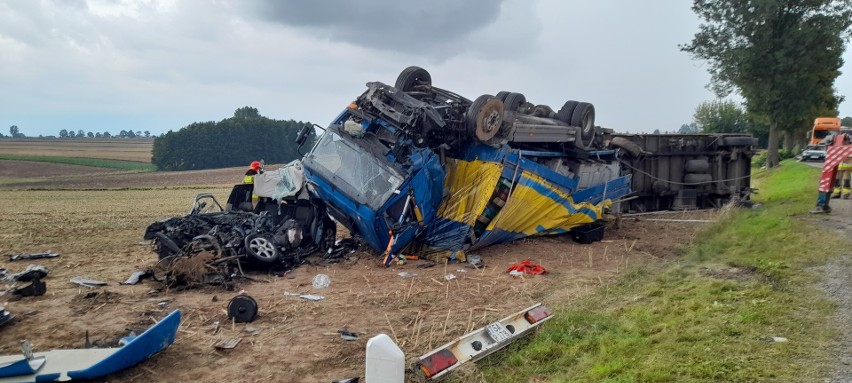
{"x":527,"y":210}
{"x":470,"y":184}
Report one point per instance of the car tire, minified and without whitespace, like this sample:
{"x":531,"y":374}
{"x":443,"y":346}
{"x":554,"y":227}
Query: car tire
{"x":262,"y":249}
{"x":513,"y":101}
{"x":583,"y":116}
{"x":484,"y":117}
{"x":412,"y":77}
{"x":329,"y":236}
{"x":564,"y":113}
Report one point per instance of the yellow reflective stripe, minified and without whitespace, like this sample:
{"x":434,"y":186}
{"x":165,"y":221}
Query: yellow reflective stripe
{"x":248,"y":179}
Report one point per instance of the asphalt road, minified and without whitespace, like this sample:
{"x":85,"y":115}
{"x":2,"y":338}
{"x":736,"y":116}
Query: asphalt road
{"x":816,"y":164}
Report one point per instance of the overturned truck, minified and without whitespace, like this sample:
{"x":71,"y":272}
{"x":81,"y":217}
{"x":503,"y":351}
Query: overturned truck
{"x":417,"y":169}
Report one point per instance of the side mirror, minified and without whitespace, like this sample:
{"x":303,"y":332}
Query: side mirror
{"x":303,"y":135}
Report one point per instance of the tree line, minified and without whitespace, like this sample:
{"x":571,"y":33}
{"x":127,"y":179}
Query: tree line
{"x":64,"y":133}
{"x":235,"y":141}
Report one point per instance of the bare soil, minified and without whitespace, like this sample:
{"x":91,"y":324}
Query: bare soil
{"x":136,"y":150}
{"x":98,"y":234}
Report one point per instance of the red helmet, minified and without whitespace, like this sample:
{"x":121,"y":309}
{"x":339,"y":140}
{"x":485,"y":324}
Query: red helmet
{"x":255,"y":165}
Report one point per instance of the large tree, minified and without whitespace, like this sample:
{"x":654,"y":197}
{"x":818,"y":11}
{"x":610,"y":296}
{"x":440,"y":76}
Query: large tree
{"x":782,"y":56}
{"x":846,"y":121}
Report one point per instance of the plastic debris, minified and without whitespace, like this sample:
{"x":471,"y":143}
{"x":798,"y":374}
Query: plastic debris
{"x":86,"y":282}
{"x":30,"y":273}
{"x":227,"y":344}
{"x":475,"y":261}
{"x":312,"y":297}
{"x":347,"y":334}
{"x":321,"y":281}
{"x":516,"y":273}
{"x":19,"y":257}
{"x":406,"y":274}
{"x":138,"y":276}
{"x":527,"y":267}
{"x":450,"y":277}
{"x":34,"y":289}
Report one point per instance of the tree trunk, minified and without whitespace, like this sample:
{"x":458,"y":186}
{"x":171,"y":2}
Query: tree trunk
{"x":788,"y":140}
{"x":772,"y":145}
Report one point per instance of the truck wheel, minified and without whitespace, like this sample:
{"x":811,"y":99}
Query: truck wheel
{"x":584,"y":117}
{"x":261,"y":248}
{"x":513,"y":101}
{"x":564,"y":113}
{"x":738,"y":141}
{"x":629,"y":146}
{"x":502,"y":95}
{"x":411,"y":77}
{"x":484,"y":117}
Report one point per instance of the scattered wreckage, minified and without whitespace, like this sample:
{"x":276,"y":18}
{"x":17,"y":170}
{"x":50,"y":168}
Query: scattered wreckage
{"x":211,"y":243}
{"x":417,"y":170}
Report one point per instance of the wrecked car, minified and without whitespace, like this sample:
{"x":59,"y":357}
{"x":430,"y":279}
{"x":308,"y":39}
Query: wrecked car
{"x":416,"y":169}
{"x":288,"y":223}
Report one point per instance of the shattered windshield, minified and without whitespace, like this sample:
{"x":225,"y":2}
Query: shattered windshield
{"x":373,"y":181}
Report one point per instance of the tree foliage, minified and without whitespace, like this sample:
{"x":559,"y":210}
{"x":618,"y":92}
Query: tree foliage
{"x":782,"y":56}
{"x":14,"y":132}
{"x":234,"y":141}
{"x":846,"y":121}
{"x":722,"y":117}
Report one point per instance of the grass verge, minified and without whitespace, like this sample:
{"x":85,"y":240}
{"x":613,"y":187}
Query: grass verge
{"x":94,"y":162}
{"x":709,"y":317}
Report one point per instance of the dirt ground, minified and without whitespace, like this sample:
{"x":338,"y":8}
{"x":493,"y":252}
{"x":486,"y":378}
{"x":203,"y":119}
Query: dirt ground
{"x":99,"y":234}
{"x":138,"y":149}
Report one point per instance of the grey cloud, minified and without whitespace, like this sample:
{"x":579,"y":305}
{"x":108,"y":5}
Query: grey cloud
{"x":431,"y":27}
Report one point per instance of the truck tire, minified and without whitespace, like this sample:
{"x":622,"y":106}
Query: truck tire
{"x":513,"y":101}
{"x":697,"y":166}
{"x":584,"y":117}
{"x":484,"y":117}
{"x":502,"y":95}
{"x":697,"y":179}
{"x":629,"y":146}
{"x":411,"y":77}
{"x":564,"y":113}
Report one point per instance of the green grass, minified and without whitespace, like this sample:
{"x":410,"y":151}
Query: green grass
{"x":707,"y":318}
{"x":100,"y":163}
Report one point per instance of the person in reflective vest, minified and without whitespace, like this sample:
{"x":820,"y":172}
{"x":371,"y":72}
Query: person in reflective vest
{"x":844,"y":179}
{"x":253,"y":170}
{"x":248,"y":179}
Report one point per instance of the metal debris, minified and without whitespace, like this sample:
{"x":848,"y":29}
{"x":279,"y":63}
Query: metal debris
{"x":86,"y":282}
{"x":19,"y":257}
{"x":227,"y":344}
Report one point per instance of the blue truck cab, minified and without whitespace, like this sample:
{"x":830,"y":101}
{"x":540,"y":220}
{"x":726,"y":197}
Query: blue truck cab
{"x":368,"y":189}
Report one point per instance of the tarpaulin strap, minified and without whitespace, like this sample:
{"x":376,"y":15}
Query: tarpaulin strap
{"x":527,"y":267}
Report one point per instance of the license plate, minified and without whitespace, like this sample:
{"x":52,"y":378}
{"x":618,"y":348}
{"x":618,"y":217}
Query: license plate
{"x":498,"y":332}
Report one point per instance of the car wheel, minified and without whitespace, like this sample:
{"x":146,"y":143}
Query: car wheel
{"x":261,"y":248}
{"x":484,"y":117}
{"x":564,"y":113}
{"x":412,"y":77}
{"x":513,"y":101}
{"x":584,"y":117}
{"x":329,"y":236}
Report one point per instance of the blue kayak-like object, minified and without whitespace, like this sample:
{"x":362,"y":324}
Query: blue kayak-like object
{"x":89,"y":363}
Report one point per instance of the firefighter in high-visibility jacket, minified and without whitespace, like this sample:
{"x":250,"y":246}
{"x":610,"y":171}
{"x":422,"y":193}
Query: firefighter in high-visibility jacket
{"x":248,"y":179}
{"x":844,"y":179}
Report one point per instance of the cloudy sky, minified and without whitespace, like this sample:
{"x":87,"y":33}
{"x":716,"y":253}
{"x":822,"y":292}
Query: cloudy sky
{"x":159,"y":65}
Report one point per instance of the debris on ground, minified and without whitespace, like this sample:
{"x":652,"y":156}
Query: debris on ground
{"x":347,"y":334}
{"x":34,"y":289}
{"x":87,"y":282}
{"x":321,"y":281}
{"x":242,"y":309}
{"x":312,"y":297}
{"x":406,"y":274}
{"x":475,"y":261}
{"x":227,"y":344}
{"x":526,"y":267}
{"x":89,"y":363}
{"x":30,"y":273}
{"x":138,"y":276}
{"x":44,"y":255}
{"x":450,"y":277}
{"x":5,"y":316}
